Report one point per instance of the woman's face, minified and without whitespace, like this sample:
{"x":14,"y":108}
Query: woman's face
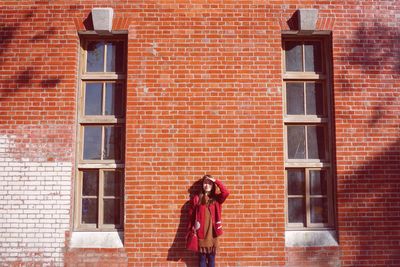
{"x":207,"y":185}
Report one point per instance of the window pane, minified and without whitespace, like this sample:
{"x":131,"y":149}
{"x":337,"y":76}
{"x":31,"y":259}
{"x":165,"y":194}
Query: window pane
{"x":92,"y":143}
{"x":111,"y":211}
{"x":319,"y":210}
{"x":315,"y":99}
{"x":316,"y":142}
{"x":89,"y":210}
{"x":112,"y":142}
{"x":93,"y":98}
{"x":95,"y":57}
{"x":114,"y":103}
{"x":312,"y":52}
{"x":318,"y":182}
{"x":295,"y":182}
{"x":90,"y":185}
{"x":115,"y":55}
{"x":296,"y":210}
{"x":296,"y":142}
{"x":295,"y":98}
{"x":293,"y":56}
{"x":112,"y":183}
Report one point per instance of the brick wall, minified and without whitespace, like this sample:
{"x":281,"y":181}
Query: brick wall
{"x":95,"y":257}
{"x":313,"y":256}
{"x":367,"y":133}
{"x":35,"y":207}
{"x":37,"y":110}
{"x":204,"y":95}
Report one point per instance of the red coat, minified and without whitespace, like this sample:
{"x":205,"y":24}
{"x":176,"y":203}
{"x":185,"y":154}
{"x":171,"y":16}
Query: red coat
{"x":215,"y":211}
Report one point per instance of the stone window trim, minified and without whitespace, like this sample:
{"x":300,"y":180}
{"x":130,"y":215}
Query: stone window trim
{"x":315,"y":238}
{"x":82,"y":239}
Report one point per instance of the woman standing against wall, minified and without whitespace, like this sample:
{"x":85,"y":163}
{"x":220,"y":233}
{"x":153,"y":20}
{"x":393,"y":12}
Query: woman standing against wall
{"x":205,"y":219}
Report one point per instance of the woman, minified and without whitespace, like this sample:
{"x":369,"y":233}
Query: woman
{"x":205,"y":218}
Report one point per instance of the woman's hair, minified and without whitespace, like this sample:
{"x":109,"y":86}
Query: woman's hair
{"x":210,"y":198}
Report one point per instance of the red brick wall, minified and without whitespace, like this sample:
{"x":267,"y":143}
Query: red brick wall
{"x":312,"y":256}
{"x":367,"y":133}
{"x":205,"y":96}
{"x":104,"y":257}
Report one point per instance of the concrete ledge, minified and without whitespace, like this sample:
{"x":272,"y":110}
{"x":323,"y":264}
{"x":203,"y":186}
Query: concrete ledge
{"x":97,"y":240}
{"x":323,"y":238}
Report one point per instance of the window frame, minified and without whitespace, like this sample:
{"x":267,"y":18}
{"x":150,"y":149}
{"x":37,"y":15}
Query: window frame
{"x":307,"y":198}
{"x":101,"y":165}
{"x":100,"y":201}
{"x":324,"y":120}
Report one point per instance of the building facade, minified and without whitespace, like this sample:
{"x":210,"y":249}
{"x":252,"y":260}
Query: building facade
{"x":112,"y":111}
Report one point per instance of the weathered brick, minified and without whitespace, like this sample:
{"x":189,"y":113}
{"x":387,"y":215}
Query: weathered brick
{"x":204,"y":94}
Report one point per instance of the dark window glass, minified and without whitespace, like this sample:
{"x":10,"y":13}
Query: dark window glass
{"x":112,"y":183}
{"x":111,"y":211}
{"x":112,"y":142}
{"x":92,"y":142}
{"x":89,"y":210}
{"x":114,"y":103}
{"x":296,"y":142}
{"x":295,"y":98}
{"x":316,"y":142}
{"x":318,"y":182}
{"x":115,"y":53}
{"x":319,"y":210}
{"x":95,"y":57}
{"x":312,"y":52}
{"x":293,"y":56}
{"x":296,"y":183}
{"x":93,"y":98}
{"x":296,"y":210}
{"x":90,"y":186}
{"x":315,"y":99}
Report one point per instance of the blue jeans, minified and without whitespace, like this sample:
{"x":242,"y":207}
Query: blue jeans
{"x":207,"y":258}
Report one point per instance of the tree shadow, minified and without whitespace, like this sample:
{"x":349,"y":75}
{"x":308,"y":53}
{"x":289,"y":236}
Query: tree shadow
{"x":178,"y":252}
{"x":369,"y":188}
{"x":24,"y":76}
{"x":44,"y":35}
{"x":370,"y":196}
{"x":382,"y":49}
{"x":7,"y":33}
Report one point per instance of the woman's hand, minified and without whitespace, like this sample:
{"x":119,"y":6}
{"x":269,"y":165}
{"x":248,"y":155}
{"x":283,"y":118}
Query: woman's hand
{"x":212,"y":179}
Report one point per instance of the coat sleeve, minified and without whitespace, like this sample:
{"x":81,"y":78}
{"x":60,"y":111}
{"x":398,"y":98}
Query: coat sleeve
{"x":224,"y":192}
{"x":191,"y":212}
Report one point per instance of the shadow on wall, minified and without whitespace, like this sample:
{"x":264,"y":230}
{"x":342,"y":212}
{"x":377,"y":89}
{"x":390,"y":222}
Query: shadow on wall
{"x":383,"y":49}
{"x":178,"y":252}
{"x":371,"y":207}
{"x":8,"y":32}
{"x":369,"y":194}
{"x":25,"y":76}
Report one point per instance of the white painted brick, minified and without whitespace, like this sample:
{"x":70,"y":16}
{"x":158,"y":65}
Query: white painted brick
{"x":35,"y":208}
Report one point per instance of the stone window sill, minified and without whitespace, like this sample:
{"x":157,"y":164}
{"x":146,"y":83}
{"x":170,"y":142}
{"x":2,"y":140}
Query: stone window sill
{"x":97,"y":240}
{"x":322,"y":238}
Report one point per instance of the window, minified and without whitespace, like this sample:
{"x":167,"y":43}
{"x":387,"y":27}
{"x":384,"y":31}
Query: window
{"x":101,"y":130}
{"x":308,"y":146}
